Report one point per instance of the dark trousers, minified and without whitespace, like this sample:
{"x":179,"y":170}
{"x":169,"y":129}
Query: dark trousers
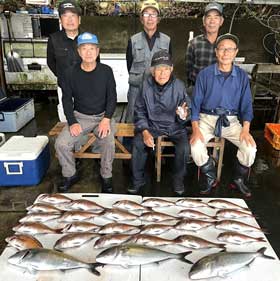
{"x":140,"y":153}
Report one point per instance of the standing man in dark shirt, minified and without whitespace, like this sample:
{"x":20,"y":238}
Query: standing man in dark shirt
{"x":201,"y":49}
{"x":140,"y":49}
{"x":89,"y":101}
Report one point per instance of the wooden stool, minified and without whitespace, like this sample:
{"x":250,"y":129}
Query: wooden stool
{"x":218,"y":145}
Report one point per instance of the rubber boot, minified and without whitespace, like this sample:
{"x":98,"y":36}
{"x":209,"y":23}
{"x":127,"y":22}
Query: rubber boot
{"x":209,"y":178}
{"x":240,"y":175}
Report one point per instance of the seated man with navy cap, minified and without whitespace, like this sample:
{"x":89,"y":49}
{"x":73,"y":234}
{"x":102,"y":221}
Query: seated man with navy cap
{"x":161,"y":109}
{"x":89,"y":101}
{"x":221,"y":98}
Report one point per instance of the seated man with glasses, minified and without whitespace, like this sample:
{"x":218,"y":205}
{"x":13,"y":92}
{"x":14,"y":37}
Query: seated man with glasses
{"x":161,"y":109}
{"x":221,"y":98}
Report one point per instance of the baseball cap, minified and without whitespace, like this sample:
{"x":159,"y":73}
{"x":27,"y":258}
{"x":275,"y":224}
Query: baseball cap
{"x":227,"y":36}
{"x":161,"y":58}
{"x":69,"y":6}
{"x":213,"y":6}
{"x":150,"y":4}
{"x":87,"y":38}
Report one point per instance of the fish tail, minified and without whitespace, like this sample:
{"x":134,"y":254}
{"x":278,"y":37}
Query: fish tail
{"x":58,"y":230}
{"x":263,"y":255}
{"x":221,"y":245}
{"x":93,"y":266}
{"x":260,"y":239}
{"x":182,"y":257}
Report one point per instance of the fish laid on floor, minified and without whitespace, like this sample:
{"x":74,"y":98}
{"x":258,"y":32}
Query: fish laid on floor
{"x":55,"y":198}
{"x":118,"y":215}
{"x":191,"y":203}
{"x":33,"y":228}
{"x":224,"y":263}
{"x":129,"y":255}
{"x":224,"y":204}
{"x":110,"y":240}
{"x":232,"y":214}
{"x":128,"y":205}
{"x":23,"y":241}
{"x":193,"y":224}
{"x":45,"y":259}
{"x":40,"y":217}
{"x":233,"y":225}
{"x":157,"y":203}
{"x":149,"y":240}
{"x":156,"y":217}
{"x":74,"y":240}
{"x":238,"y":238}
{"x":82,"y":205}
{"x":42,"y":208}
{"x":72,"y":216}
{"x":194,"y":242}
{"x":194,"y":214}
{"x":155,"y":228}
{"x":118,"y":228}
{"x":80,"y":226}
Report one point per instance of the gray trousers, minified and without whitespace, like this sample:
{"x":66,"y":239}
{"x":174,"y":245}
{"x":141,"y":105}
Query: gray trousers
{"x":132,"y":95}
{"x":65,"y":144}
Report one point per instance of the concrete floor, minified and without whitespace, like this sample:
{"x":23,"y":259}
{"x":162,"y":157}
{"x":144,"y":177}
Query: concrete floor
{"x":264,"y":181}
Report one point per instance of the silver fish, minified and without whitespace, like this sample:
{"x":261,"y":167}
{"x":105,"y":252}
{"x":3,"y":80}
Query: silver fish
{"x":156,"y":217}
{"x":190,"y":203}
{"x":194,"y":242}
{"x":232,"y":214}
{"x":236,"y":226}
{"x":55,"y":198}
{"x":42,"y":208}
{"x":40,"y":217}
{"x":238,"y":238}
{"x":156,"y":203}
{"x":224,"y":204}
{"x":155,"y":229}
{"x":34,"y":228}
{"x":80,"y":226}
{"x":23,"y":241}
{"x":74,"y":240}
{"x":46,"y":259}
{"x":72,"y":216}
{"x":118,"y":215}
{"x":129,"y":255}
{"x":119,"y":228}
{"x":82,"y":205}
{"x":224,"y":263}
{"x":128,"y":205}
{"x":149,"y":240}
{"x":110,"y":240}
{"x":194,"y":214}
{"x":193,"y":224}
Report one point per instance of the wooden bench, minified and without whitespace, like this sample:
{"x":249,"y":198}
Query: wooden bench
{"x":217,"y":145}
{"x":122,"y":130}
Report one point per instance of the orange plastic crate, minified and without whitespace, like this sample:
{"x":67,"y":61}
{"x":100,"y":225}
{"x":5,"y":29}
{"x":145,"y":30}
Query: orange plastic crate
{"x":272,"y":134}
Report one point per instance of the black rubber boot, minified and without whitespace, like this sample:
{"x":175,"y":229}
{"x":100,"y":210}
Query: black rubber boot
{"x":179,"y":191}
{"x":66,"y":183}
{"x":106,"y":185}
{"x":135,"y":190}
{"x":240,"y":175}
{"x":209,"y":177}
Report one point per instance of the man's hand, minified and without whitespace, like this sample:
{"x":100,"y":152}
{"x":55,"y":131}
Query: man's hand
{"x":245,"y":134}
{"x":182,"y":111}
{"x":196,"y":134}
{"x":75,"y":129}
{"x":148,"y":139}
{"x":104,"y":128}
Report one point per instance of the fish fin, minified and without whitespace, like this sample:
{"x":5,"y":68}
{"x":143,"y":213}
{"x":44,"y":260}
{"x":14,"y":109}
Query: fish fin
{"x":261,"y":239}
{"x":58,"y":230}
{"x":92,"y":268}
{"x":222,"y":246}
{"x":183,"y":255}
{"x":263,"y":255}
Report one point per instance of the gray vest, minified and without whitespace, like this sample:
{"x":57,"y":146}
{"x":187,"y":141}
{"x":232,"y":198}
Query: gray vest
{"x":142,"y":56}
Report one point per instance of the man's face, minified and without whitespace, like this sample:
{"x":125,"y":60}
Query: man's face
{"x":150,"y":19}
{"x":88,"y":52}
{"x":162,"y":74}
{"x":226,"y":52}
{"x":70,"y":21}
{"x":212,"y":21}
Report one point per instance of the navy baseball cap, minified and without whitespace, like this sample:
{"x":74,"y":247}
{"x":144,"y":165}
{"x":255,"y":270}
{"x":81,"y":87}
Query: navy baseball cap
{"x":213,"y":6}
{"x":87,"y":38}
{"x":229,"y":36}
{"x":161,"y":58}
{"x":69,"y":6}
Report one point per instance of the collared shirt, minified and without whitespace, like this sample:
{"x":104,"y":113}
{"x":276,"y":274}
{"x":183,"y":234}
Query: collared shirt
{"x":151,"y":43}
{"x":212,"y":90}
{"x":200,"y":53}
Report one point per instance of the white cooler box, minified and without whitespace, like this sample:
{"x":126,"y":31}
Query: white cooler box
{"x":24,"y":160}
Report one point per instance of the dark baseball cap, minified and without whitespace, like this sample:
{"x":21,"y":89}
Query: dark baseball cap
{"x":161,"y":58}
{"x":227,"y":36}
{"x":69,"y":6}
{"x":213,"y":6}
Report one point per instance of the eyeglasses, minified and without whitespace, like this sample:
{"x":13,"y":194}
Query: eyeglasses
{"x":146,"y":15}
{"x":223,"y":50}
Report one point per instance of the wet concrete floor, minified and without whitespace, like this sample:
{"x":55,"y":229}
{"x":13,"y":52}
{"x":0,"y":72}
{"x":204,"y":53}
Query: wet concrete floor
{"x":264,"y":180}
